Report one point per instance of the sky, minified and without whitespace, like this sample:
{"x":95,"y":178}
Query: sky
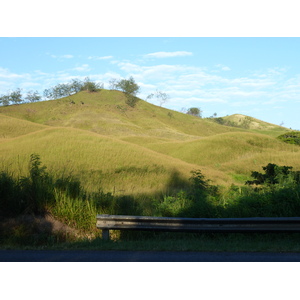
{"x":254,"y":76}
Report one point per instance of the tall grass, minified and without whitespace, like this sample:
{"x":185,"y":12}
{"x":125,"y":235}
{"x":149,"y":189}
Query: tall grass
{"x":115,"y":165}
{"x":64,"y":197}
{"x":99,"y":138}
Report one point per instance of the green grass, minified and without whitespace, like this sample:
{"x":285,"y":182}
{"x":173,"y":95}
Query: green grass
{"x":66,"y":200}
{"x":97,"y":139}
{"x":198,"y":242}
{"x":175,"y":242}
{"x":116,"y":164}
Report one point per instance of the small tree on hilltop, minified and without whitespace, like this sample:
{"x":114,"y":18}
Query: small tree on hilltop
{"x":91,"y":86}
{"x":194,"y":111}
{"x":160,"y":96}
{"x":15,"y":97}
{"x":33,"y":96}
{"x":130,"y":88}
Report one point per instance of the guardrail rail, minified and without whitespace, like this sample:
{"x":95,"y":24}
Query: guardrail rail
{"x":237,"y":225}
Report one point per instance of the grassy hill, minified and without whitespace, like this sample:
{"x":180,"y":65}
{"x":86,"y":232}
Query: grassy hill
{"x":146,"y":149}
{"x":106,"y":113}
{"x":256,"y":125}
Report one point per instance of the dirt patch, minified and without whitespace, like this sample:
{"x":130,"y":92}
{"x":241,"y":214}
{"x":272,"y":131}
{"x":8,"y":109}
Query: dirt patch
{"x":38,"y":225}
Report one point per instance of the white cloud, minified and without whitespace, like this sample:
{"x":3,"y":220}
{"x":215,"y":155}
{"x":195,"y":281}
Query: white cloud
{"x":168,"y":54}
{"x":82,"y":68}
{"x":5,"y":73}
{"x":223,"y":68}
{"x":253,"y":82}
{"x":226,"y":68}
{"x":64,"y":56}
{"x":100,"y":57}
{"x":243,"y":103}
{"x":67,"y":56}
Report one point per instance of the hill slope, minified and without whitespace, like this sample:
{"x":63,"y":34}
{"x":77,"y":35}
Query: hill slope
{"x":106,"y":113}
{"x":145,"y":149}
{"x":255,"y":125}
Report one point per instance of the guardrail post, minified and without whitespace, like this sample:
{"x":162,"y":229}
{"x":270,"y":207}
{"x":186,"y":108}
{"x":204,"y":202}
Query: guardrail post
{"x":105,"y":234}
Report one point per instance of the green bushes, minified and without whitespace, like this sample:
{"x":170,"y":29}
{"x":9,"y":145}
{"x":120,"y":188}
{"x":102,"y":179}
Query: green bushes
{"x":278,"y":195}
{"x":274,"y":174}
{"x":11,"y":201}
{"x":290,"y":137}
{"x":32,"y":194}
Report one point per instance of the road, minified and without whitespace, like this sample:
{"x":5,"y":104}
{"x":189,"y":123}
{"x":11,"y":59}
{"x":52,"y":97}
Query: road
{"x":142,"y":256}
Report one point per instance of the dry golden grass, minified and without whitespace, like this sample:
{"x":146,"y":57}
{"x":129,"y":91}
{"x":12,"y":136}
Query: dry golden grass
{"x":11,"y":127}
{"x":145,"y":149}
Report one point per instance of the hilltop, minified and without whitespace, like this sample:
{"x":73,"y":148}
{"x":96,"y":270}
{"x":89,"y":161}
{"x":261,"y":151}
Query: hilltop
{"x":106,"y":113}
{"x":140,"y":149}
{"x":255,"y":125}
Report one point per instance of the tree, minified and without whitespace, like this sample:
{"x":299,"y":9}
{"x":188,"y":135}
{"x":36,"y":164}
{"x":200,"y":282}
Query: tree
{"x":91,"y":86}
{"x":194,"y":111}
{"x":33,"y":96}
{"x":73,"y":87}
{"x":274,"y":174}
{"x":130,"y":88}
{"x":4,"y":100}
{"x":112,"y":84}
{"x":160,"y":96}
{"x":15,"y":97}
{"x":76,"y":86}
{"x":58,"y":91}
{"x":48,"y":94}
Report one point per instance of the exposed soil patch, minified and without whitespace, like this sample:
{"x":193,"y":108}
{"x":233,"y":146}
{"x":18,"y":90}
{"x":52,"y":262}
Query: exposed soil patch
{"x":36,"y":225}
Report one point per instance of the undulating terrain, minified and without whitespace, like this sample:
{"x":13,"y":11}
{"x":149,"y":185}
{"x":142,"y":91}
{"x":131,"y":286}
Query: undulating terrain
{"x":129,"y":150}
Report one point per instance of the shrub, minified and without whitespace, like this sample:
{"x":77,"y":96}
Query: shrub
{"x":90,"y":86}
{"x":274,"y":175}
{"x":290,"y":137}
{"x":194,"y":111}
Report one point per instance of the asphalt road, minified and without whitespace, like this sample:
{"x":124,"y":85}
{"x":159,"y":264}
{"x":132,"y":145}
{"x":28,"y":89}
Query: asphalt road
{"x":142,"y":256}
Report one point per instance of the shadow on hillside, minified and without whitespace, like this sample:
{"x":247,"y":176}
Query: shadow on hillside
{"x":176,"y":182}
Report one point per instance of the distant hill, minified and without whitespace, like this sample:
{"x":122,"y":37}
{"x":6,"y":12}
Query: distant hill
{"x":247,"y":122}
{"x":145,"y":149}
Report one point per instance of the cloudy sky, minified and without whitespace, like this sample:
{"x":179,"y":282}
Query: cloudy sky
{"x":259,"y":77}
{"x":224,"y":57}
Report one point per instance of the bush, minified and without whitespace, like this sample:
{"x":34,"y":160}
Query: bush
{"x":290,"y":137}
{"x":90,"y":86}
{"x":11,"y":201}
{"x":275,"y":175}
{"x":194,"y":111}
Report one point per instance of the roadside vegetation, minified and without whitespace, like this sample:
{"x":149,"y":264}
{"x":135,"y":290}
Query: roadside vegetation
{"x":274,"y":193}
{"x":96,"y":151}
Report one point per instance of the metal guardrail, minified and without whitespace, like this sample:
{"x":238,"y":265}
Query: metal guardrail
{"x":237,"y":225}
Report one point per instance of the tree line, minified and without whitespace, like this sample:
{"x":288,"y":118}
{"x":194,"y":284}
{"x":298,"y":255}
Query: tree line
{"x":55,"y":92}
{"x":128,"y":86}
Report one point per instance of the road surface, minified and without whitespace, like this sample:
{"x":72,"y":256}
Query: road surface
{"x":142,"y":256}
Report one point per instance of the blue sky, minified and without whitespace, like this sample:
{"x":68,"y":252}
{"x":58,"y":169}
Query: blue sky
{"x":259,"y":77}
